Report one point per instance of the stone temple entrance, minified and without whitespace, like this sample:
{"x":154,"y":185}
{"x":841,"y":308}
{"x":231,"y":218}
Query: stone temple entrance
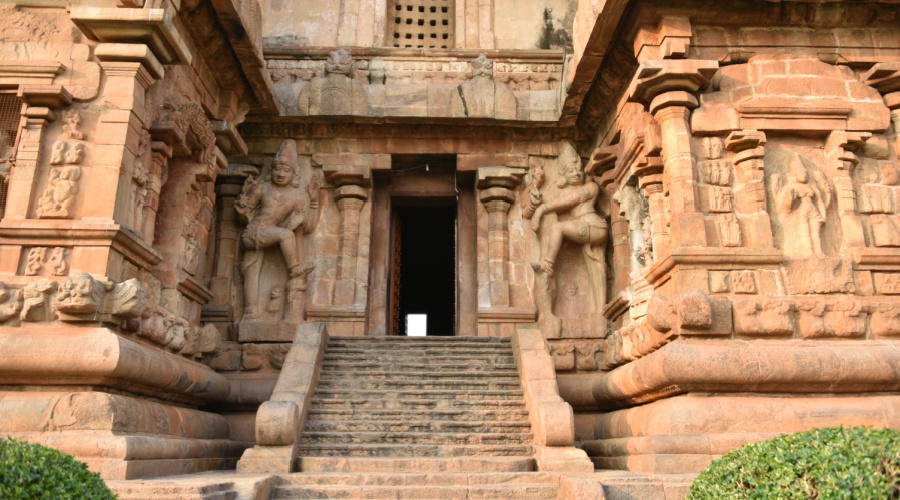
{"x":423,"y":245}
{"x":424,"y":274}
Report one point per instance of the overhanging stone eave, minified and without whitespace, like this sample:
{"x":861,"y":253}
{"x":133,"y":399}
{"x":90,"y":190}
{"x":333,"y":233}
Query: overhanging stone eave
{"x":249,"y":55}
{"x":588,"y":63}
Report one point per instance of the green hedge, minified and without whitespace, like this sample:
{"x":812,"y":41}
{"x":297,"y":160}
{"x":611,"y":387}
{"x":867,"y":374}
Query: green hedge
{"x":31,"y":471}
{"x":829,"y":463}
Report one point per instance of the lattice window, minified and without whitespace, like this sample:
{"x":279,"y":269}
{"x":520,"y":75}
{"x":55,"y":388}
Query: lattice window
{"x":10,"y":116}
{"x":421,"y":24}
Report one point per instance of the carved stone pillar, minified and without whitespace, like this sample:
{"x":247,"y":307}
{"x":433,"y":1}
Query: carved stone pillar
{"x":159,"y":173}
{"x":747,"y":146}
{"x":839,"y":152}
{"x":352,"y":191}
{"x":652,"y":185}
{"x":667,"y":86}
{"x":496,"y":187}
{"x":23,"y":183}
{"x":350,"y":200}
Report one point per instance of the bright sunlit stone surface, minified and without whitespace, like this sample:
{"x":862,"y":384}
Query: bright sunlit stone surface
{"x":416,"y":325}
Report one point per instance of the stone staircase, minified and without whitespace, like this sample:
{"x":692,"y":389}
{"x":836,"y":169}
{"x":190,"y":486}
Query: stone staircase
{"x":451,"y":404}
{"x":417,"y":418}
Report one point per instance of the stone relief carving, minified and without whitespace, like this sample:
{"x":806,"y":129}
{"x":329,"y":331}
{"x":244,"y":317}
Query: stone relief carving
{"x":577,"y":221}
{"x":140,"y":178}
{"x":481,"y":97}
{"x":58,"y":152}
{"x":337,"y":93}
{"x":717,"y":173}
{"x":10,"y":302}
{"x":79,"y":294}
{"x":275,"y":207}
{"x":36,"y":306}
{"x":192,"y":249}
{"x":72,"y":119}
{"x":635,"y":208}
{"x":876,"y":183}
{"x":801,"y":202}
{"x":59,"y":195}
{"x":46,"y":260}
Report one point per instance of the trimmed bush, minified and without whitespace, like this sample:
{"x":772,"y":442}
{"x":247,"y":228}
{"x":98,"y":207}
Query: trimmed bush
{"x":829,"y":463}
{"x":31,"y":471}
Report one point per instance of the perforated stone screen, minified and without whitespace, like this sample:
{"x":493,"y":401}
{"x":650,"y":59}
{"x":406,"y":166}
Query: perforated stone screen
{"x":10,"y":115}
{"x":421,"y":24}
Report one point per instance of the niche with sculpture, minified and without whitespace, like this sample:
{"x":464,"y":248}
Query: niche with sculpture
{"x":805,"y":225}
{"x":568,"y":216}
{"x":876,"y":182}
{"x":279,"y":208}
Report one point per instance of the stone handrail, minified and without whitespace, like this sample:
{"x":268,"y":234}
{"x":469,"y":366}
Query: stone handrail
{"x":280,"y":420}
{"x":552,"y":419}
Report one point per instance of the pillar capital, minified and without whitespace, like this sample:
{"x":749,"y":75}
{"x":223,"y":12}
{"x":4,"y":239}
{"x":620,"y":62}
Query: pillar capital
{"x":503,"y":177}
{"x":660,"y":76}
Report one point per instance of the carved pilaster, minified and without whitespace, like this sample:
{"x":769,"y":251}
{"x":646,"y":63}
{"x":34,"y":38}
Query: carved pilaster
{"x":352,"y":191}
{"x":350,"y":200}
{"x":839,"y":152}
{"x":668,"y":88}
{"x":23,"y":184}
{"x":748,"y":149}
{"x":496,"y":187}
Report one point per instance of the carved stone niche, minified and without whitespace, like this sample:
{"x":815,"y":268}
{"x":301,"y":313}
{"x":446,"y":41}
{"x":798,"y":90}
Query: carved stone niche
{"x":185,"y":205}
{"x":280,"y":209}
{"x":568,"y":217}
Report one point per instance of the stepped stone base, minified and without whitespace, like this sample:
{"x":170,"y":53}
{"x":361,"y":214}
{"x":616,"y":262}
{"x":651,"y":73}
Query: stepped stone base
{"x":121,"y":437}
{"x":609,"y":485}
{"x":684,"y":434}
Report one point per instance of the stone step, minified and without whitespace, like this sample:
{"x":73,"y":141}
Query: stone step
{"x":457,"y":385}
{"x":506,"y":416}
{"x":415,"y":403}
{"x":435,"y":339}
{"x":414,"y":438}
{"x":418,"y":465}
{"x":413,"y":450}
{"x":171,"y":490}
{"x":419,"y":344}
{"x":417,"y":425}
{"x":418,"y":479}
{"x":426,"y":394}
{"x":415,"y":375}
{"x":507,"y":491}
{"x":418,"y":366}
{"x":396,"y":351}
{"x":406,"y":358}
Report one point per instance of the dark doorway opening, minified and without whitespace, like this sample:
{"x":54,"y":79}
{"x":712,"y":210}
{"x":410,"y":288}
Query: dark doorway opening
{"x":427,"y":267}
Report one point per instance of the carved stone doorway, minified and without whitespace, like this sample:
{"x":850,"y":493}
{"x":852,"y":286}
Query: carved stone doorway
{"x":423,"y":247}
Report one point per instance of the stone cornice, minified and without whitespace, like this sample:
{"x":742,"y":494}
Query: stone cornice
{"x":79,"y":233}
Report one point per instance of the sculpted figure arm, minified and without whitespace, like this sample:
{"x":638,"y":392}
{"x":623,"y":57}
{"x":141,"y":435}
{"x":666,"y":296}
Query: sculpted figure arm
{"x":248,"y":200}
{"x":586,"y":193}
{"x":296,"y":218}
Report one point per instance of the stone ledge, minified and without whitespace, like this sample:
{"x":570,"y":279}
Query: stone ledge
{"x":79,"y":233}
{"x":552,"y":419}
{"x":97,"y":356}
{"x":24,"y":412}
{"x":752,"y":366}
